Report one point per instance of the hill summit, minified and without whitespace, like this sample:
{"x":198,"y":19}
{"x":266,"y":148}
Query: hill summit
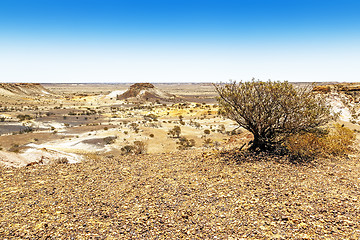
{"x":146,"y":92}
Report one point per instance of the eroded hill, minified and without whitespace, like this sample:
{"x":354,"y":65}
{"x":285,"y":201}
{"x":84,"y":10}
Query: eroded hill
{"x":22,"y":89}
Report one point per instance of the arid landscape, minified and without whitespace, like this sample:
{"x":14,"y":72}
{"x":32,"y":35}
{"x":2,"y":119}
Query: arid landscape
{"x":181,"y":119}
{"x":78,"y":119}
{"x":143,"y":161}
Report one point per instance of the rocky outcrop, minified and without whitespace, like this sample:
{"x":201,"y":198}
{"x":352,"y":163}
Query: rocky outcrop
{"x":146,"y":92}
{"x":344,"y":99}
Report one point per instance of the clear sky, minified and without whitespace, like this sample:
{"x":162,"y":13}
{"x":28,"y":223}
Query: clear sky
{"x":179,"y":40}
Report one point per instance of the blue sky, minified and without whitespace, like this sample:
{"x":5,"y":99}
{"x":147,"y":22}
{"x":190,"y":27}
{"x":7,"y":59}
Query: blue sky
{"x":179,"y":40}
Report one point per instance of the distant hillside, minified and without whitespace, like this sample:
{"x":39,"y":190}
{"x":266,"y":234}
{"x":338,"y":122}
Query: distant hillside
{"x":23,"y":89}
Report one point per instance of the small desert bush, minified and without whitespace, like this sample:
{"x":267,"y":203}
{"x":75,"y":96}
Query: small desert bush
{"x":208,"y":142}
{"x":336,"y":141}
{"x":207,"y":131}
{"x":61,"y":160}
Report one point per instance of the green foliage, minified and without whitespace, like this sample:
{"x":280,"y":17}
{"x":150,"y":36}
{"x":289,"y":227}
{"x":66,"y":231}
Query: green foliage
{"x":272,"y":110}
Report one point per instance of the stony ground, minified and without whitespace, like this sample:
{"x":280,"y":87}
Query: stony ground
{"x":182,"y":195}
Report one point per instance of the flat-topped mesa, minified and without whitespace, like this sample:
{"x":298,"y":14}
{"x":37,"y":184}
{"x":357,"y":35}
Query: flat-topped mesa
{"x":146,"y":92}
{"x":142,"y":86}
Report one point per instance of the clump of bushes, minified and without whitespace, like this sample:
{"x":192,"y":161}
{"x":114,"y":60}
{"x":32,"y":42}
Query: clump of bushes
{"x":138,"y":147}
{"x":185,"y":143}
{"x":23,"y":117}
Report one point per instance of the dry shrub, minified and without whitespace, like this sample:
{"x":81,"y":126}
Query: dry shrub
{"x":336,"y":141}
{"x":139,"y":147}
{"x":306,"y":145}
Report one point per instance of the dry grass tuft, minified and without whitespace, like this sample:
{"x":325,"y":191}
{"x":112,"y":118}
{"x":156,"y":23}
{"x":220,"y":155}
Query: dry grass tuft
{"x":337,"y":141}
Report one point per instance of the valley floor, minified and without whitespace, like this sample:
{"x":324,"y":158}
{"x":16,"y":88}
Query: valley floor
{"x":188,"y":194}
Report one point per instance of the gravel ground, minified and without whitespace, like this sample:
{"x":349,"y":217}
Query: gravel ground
{"x":182,"y":195}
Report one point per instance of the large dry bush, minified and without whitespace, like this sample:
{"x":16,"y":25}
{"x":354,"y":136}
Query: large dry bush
{"x":272,"y":110}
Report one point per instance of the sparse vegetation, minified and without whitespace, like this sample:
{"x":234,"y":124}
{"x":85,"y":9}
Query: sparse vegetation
{"x":184,"y":188}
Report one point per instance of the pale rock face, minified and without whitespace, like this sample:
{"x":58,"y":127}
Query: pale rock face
{"x":114,"y":94}
{"x":33,"y":156}
{"x":338,"y":106}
